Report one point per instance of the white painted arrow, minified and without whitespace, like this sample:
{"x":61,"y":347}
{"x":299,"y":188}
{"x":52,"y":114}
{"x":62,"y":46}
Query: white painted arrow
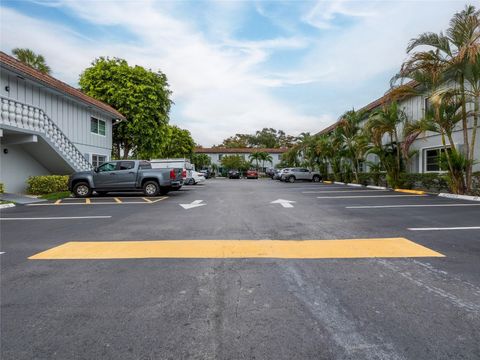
{"x":284,"y":203}
{"x":192,"y":205}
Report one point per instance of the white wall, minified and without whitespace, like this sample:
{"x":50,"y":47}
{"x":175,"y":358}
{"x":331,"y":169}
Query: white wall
{"x":18,"y":164}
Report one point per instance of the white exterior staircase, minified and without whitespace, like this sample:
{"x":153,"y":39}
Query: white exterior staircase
{"x":16,"y":115}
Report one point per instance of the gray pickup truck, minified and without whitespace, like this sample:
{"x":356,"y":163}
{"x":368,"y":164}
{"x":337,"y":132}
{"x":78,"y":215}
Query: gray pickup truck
{"x":125,"y":175}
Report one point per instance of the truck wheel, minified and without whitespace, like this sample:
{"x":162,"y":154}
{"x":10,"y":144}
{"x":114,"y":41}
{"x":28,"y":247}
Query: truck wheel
{"x":82,"y":190}
{"x":291,"y":179}
{"x":316,"y":178}
{"x":151,"y":188}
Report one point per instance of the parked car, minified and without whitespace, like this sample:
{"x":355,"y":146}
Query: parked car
{"x":234,"y":174}
{"x":293,"y":174}
{"x":277,"y":174}
{"x":184,"y":164}
{"x":270,"y":172}
{"x":125,"y":175}
{"x":197,"y":178}
{"x":206,"y":173}
{"x":252,"y":174}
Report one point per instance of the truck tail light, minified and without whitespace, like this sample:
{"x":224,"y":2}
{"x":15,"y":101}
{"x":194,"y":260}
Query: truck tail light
{"x":184,"y":174}
{"x":172,"y":174}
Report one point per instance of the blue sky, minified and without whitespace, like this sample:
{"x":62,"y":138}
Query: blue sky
{"x":235,"y":66}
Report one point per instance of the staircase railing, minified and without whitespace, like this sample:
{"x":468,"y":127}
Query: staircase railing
{"x":33,"y":119}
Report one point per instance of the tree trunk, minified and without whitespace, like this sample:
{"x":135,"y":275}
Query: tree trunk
{"x":465,"y":132}
{"x":472,"y":143}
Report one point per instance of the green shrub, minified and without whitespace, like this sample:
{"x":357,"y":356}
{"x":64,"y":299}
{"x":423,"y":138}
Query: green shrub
{"x":2,"y":188}
{"x":38,"y":185}
{"x":430,"y":182}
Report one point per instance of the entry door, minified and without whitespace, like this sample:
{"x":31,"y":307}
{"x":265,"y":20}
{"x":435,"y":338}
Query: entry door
{"x":105,"y":177}
{"x":126,"y":175}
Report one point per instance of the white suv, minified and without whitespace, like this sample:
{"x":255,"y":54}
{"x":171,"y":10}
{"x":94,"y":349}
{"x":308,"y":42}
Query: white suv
{"x":293,"y":174}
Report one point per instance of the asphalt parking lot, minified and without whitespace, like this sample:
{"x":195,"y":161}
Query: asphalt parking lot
{"x":355,"y":274}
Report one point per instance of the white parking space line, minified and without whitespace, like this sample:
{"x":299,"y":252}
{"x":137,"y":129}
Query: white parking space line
{"x":367,"y":196}
{"x":2,"y":252}
{"x":446,"y":228}
{"x":341,"y":191}
{"x":57,"y":218}
{"x":407,"y":206}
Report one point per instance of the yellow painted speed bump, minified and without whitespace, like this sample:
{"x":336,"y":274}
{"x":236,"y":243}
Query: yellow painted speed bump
{"x":408,"y":191}
{"x":207,"y":249}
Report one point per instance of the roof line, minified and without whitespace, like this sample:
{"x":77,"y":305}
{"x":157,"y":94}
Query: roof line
{"x":18,"y":66}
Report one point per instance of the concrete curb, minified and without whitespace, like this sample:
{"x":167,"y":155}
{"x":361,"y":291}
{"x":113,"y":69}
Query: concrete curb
{"x":6,"y":206}
{"x":356,"y":185}
{"x":327,"y":182}
{"x":461,"y":197}
{"x":339,"y":183}
{"x":377,"y":187}
{"x":408,"y":191}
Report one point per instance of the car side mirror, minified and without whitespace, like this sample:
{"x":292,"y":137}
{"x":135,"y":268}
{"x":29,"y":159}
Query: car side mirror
{"x":95,"y":169}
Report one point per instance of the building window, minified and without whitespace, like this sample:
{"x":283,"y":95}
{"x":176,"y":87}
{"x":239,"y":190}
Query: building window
{"x":98,"y":160}
{"x":220,"y":156}
{"x":97,"y":126}
{"x":432,"y":160}
{"x":280,"y":157}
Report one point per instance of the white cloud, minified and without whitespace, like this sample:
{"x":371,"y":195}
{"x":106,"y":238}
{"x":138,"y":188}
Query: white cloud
{"x":214,"y":84}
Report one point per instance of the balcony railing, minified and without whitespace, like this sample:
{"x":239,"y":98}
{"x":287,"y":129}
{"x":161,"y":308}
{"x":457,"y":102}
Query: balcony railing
{"x":33,"y":119}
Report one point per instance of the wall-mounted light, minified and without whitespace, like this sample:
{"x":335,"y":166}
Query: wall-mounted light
{"x":5,"y":151}
{"x":7,"y":88}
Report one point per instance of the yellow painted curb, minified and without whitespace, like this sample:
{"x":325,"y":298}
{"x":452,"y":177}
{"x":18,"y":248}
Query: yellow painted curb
{"x":418,"y":192}
{"x":327,"y":182}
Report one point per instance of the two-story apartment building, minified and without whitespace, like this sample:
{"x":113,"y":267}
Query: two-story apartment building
{"x":426,"y":147}
{"x":47,"y":126}
{"x":216,"y":154}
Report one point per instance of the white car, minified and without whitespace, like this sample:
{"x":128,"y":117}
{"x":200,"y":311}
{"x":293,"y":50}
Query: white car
{"x":197,"y":178}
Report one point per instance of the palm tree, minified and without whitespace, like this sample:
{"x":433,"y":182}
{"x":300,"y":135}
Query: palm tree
{"x":265,"y":157}
{"x":30,"y":58}
{"x":353,"y":140}
{"x":255,"y":156}
{"x":385,"y":122}
{"x":457,"y":50}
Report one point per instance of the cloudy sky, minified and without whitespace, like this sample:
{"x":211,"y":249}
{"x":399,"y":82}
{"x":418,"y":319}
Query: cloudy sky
{"x":235,"y":66}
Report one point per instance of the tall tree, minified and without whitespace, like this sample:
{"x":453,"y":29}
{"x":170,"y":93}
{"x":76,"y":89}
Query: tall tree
{"x":200,"y":161}
{"x":141,"y":95}
{"x":457,"y":49}
{"x":178,"y":143}
{"x":32,"y":59}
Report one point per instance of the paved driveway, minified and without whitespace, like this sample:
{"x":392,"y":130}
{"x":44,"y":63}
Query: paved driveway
{"x":384,"y":275}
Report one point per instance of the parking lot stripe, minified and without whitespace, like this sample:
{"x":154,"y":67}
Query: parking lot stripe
{"x":147,"y":200}
{"x":406,"y":206}
{"x":117,"y":200}
{"x":57,"y":218}
{"x":87,"y":201}
{"x":203,"y":249}
{"x":366,"y":196}
{"x":341,"y":191}
{"x":446,"y":228}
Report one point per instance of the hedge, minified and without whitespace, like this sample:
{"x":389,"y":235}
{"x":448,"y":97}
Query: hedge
{"x":2,"y":188}
{"x":39,"y":185}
